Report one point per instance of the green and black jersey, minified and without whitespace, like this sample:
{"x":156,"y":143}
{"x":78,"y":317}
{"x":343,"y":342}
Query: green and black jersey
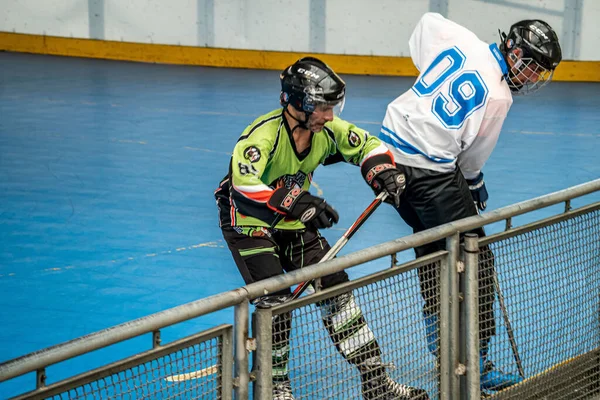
{"x":265,"y":158}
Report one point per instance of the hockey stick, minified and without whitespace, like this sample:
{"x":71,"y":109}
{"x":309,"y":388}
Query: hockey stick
{"x":202,"y":373}
{"x":342,"y":241}
{"x":509,"y":330}
{"x":507,"y":323}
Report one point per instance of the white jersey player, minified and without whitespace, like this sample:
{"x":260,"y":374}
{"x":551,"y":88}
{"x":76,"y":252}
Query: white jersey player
{"x":455,"y":110}
{"x":442,"y":131}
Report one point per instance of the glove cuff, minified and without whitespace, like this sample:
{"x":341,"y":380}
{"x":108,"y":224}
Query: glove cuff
{"x":374,"y":165}
{"x":283,"y":200}
{"x":476,"y":182}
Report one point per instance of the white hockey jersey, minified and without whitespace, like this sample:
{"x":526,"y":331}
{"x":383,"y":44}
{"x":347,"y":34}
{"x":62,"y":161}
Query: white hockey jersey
{"x":455,"y":110}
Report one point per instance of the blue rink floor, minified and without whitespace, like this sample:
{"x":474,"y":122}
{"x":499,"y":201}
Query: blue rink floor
{"x":107,"y":172}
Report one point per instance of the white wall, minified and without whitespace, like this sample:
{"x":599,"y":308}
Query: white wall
{"x":378,"y":27}
{"x":589,"y":40}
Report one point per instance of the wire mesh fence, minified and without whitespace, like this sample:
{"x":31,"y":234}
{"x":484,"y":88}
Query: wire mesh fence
{"x":162,"y":378}
{"x":354,"y":343}
{"x":549,"y":276}
{"x":191,"y":368}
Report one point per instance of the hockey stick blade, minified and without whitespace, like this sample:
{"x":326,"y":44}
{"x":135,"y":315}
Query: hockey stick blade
{"x":201,"y":373}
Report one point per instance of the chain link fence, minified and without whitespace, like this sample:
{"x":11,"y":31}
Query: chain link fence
{"x":190,"y":368}
{"x":538,"y":309}
{"x":337,"y":335}
{"x":549,"y":275}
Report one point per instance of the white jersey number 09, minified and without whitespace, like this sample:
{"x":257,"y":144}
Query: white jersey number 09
{"x":465,"y":89}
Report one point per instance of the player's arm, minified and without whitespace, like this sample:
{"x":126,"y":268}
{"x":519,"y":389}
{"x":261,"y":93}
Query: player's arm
{"x":356,"y":146}
{"x":249,"y":194}
{"x":478,"y":149}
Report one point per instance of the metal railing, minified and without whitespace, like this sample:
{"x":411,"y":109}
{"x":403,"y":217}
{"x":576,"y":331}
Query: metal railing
{"x":183,"y":366}
{"x":448,"y":381}
{"x":550,"y":276}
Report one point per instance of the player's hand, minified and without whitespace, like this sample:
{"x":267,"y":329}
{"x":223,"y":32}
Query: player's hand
{"x":312,"y":211}
{"x":478,"y":191}
{"x":386,"y":177}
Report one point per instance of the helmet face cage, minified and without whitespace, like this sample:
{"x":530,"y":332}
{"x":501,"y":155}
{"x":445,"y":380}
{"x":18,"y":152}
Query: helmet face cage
{"x":309,"y":85}
{"x":522,"y":76}
{"x":533,"y":48}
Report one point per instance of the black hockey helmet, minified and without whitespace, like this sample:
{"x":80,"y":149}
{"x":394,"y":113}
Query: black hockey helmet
{"x":541,"y":54}
{"x":310,"y":82}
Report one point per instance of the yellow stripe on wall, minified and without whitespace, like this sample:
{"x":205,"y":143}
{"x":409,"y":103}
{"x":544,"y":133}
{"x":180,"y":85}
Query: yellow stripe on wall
{"x":169,"y":54}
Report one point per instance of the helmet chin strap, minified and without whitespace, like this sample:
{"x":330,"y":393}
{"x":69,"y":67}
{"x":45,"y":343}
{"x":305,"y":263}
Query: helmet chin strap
{"x":301,"y":124}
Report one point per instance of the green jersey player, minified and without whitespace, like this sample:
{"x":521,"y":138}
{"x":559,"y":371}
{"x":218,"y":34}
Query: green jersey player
{"x":271,"y":221}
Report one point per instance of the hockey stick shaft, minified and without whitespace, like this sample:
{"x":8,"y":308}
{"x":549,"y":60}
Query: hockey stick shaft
{"x":507,"y":323}
{"x":333,"y":251}
{"x":509,"y":329}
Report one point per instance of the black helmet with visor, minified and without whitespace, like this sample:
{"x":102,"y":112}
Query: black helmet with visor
{"x":309,"y":83}
{"x":540,"y":55}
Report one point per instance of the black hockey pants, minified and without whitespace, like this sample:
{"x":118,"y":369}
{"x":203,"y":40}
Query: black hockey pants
{"x":431,"y":199}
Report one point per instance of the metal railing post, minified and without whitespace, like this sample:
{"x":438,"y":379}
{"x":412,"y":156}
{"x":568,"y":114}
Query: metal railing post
{"x":262,"y":364}
{"x":471,"y":314}
{"x":226,"y":374}
{"x":452,"y":335}
{"x":242,"y":379}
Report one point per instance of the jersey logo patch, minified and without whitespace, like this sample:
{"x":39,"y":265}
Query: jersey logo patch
{"x":353,"y":139}
{"x":291,"y":181}
{"x":252,"y":154}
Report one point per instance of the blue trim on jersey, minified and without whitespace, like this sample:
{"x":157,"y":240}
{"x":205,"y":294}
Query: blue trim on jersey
{"x":499,"y":57}
{"x":390,"y":137}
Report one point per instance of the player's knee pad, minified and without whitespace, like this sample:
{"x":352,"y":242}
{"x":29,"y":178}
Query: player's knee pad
{"x":348,"y":328}
{"x":339,"y":311}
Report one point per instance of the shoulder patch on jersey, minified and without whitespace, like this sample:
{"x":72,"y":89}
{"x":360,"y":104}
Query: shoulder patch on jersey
{"x":353,"y":139}
{"x":252,"y":154}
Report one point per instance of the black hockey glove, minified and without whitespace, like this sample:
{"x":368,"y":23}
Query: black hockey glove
{"x":385,"y":177}
{"x":311,"y":210}
{"x":478,"y":191}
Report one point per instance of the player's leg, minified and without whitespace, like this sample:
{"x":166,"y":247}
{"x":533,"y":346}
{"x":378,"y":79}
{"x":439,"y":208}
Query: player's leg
{"x":428,"y":274}
{"x":436,"y":199}
{"x":346,"y":325}
{"x":256,"y":255}
{"x":491,"y":377}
